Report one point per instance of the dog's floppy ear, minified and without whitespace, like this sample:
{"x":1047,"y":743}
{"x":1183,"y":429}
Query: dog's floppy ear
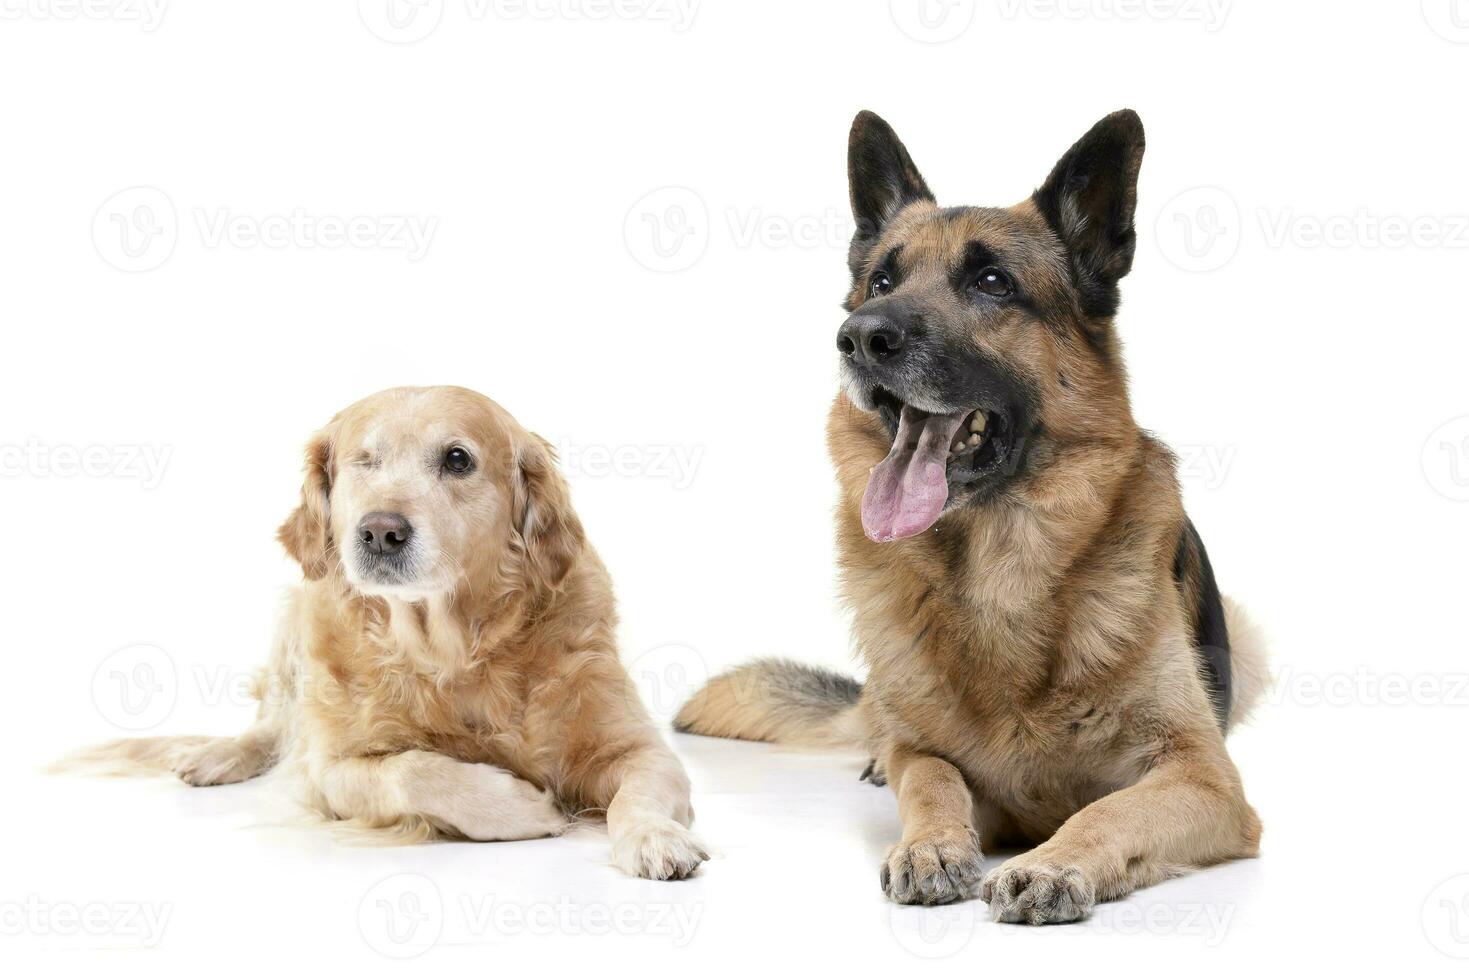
{"x":548,"y":531}
{"x":306,"y":534}
{"x":881,"y":177}
{"x":1089,"y":200}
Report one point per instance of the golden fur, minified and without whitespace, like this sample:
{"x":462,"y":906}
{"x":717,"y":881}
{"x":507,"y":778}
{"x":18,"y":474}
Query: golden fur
{"x":480,"y":698}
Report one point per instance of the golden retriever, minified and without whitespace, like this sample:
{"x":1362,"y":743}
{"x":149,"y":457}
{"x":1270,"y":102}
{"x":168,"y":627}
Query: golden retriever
{"x":448,"y":667}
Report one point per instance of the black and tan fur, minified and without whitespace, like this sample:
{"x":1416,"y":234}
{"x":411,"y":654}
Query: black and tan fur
{"x":1051,"y":664}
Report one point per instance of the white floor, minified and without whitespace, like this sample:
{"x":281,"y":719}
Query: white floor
{"x":152,"y":878}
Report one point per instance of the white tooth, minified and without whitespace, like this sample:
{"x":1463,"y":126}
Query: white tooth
{"x":958,"y":446}
{"x":973,"y":440}
{"x":976,"y":424}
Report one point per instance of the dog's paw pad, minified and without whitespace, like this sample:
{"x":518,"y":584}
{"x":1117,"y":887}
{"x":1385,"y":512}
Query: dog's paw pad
{"x":1037,"y":894}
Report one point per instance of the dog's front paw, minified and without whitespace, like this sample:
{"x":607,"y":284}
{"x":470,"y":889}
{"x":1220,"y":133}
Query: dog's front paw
{"x":219,"y":761}
{"x":662,"y":849}
{"x":1035,"y":892}
{"x":933,"y":870}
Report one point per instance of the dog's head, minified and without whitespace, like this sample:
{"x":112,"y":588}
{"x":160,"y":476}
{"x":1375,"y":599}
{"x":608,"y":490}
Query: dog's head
{"x":417,"y":492}
{"x":982,"y":338}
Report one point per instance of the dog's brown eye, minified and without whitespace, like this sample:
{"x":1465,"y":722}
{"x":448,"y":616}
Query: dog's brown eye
{"x":993,"y":282}
{"x":881,"y":284}
{"x":457,"y":460}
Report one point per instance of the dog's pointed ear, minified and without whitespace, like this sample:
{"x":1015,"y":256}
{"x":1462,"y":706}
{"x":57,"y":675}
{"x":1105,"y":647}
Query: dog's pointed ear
{"x":1089,"y":201}
{"x":546,"y":528}
{"x":881,"y":176}
{"x":306,"y":534}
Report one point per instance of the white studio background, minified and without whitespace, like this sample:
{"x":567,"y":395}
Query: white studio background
{"x":626,"y":221}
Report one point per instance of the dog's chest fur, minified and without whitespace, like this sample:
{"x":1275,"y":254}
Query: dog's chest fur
{"x":1022,"y":668}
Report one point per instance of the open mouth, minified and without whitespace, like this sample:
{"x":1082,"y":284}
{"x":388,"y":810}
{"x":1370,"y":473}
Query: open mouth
{"x":932,"y":453}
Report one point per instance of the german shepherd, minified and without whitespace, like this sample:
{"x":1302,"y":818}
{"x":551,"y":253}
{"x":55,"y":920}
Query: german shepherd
{"x":1050,"y":663}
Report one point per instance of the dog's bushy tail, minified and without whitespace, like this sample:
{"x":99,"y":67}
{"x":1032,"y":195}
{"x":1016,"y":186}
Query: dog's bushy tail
{"x":775,"y":700}
{"x":132,"y":756}
{"x":1249,"y":662}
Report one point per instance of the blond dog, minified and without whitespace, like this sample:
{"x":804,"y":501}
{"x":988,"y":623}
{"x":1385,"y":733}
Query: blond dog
{"x":449,"y":666}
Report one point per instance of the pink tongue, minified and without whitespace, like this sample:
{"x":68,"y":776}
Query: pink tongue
{"x":906,"y":492}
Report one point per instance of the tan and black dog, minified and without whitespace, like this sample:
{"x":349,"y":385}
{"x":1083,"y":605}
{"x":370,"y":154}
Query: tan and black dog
{"x":1050,"y":661}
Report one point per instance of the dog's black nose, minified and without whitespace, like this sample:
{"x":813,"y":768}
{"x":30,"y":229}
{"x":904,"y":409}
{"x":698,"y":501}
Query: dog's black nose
{"x":384,"y":533}
{"x":870,"y":339}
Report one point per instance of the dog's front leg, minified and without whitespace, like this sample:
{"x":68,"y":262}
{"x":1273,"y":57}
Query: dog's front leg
{"x":649,"y":816}
{"x":938,"y":859}
{"x":1188,"y":811}
{"x":477,"y":801}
